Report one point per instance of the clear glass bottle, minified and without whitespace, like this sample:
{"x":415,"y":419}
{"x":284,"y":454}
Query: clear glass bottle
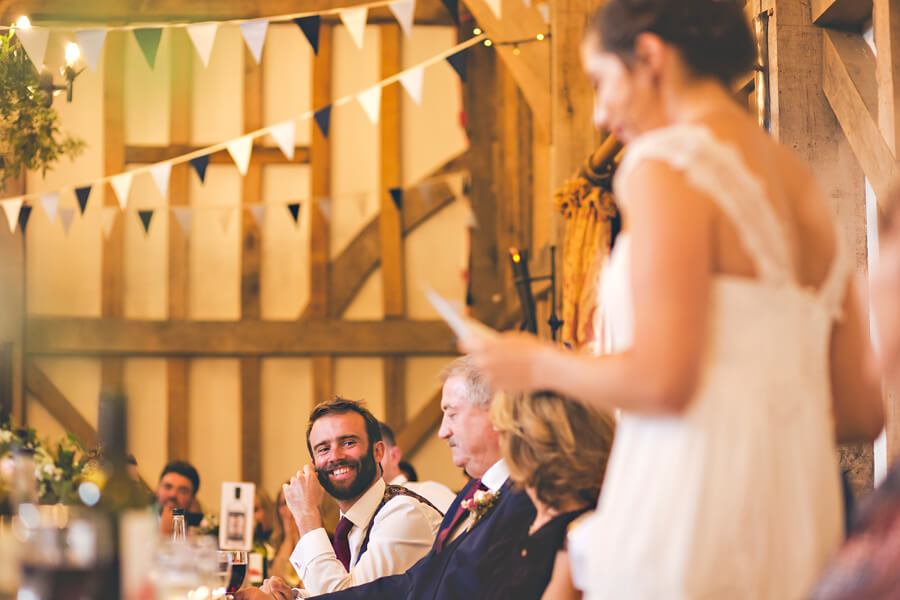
{"x":179,"y":529}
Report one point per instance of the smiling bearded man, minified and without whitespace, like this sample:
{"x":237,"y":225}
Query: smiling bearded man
{"x":383,"y":529}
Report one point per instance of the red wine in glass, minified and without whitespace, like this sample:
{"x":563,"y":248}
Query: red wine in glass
{"x":238,"y":573}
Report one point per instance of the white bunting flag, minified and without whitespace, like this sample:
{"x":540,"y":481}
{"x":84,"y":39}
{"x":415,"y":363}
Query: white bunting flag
{"x":544,"y":9}
{"x":370,"y":100}
{"x":12,"y":207}
{"x":239,"y":150}
{"x":66,"y":215}
{"x":184,"y":216}
{"x":255,"y":36}
{"x":50,"y":202}
{"x":354,"y":20}
{"x":122,"y":185}
{"x":495,"y":6}
{"x":203,"y":35}
{"x":412,"y":83}
{"x":325,"y":206}
{"x":284,"y":134}
{"x":107,"y":216}
{"x":527,"y":2}
{"x":225,"y":214}
{"x":403,"y":12}
{"x":35,"y":43}
{"x":161,"y":174}
{"x":91,"y":42}
{"x":259,"y":213}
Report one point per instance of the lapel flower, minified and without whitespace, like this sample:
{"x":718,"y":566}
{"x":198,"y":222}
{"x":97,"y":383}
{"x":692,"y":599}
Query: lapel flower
{"x":479,"y":505}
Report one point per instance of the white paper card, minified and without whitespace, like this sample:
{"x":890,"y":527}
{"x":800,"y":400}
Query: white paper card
{"x":236,"y":516}
{"x":464,"y":327}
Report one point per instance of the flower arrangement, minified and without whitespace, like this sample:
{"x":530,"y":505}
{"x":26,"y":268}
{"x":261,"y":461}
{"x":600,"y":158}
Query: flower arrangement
{"x":480,"y":504}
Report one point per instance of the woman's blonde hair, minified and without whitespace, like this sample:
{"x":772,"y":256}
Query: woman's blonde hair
{"x":555,"y":445}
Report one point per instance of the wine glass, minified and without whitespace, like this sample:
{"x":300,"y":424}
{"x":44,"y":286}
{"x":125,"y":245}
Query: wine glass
{"x":223,"y":573}
{"x":238,"y":560}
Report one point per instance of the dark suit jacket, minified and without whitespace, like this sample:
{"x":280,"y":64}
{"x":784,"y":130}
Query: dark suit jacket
{"x":450,"y":574}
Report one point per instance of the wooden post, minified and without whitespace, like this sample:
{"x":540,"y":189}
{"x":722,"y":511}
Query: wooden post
{"x":319,"y":239}
{"x":391,"y":225}
{"x":178,"y":415}
{"x":14,"y":314}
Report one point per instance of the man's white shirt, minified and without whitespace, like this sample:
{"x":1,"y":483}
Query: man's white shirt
{"x":436,"y":493}
{"x":402,"y":532}
{"x":493,"y":479}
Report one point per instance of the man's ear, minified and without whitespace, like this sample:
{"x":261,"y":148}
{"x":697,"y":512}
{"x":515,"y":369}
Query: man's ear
{"x":378,"y":450}
{"x":396,"y":453}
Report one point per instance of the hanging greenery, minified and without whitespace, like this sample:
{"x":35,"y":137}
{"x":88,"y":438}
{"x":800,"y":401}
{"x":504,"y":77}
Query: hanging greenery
{"x":30,"y":137}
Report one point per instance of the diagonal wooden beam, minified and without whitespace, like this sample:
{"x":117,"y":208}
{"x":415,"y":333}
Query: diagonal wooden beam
{"x":848,"y":79}
{"x":418,"y":427}
{"x":843,"y":14}
{"x":40,"y":386}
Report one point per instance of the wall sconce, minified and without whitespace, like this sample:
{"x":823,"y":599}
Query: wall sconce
{"x":523,"y":280}
{"x":69,"y":73}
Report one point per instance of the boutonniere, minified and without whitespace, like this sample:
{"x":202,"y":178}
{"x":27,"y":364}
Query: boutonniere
{"x":480,"y":504}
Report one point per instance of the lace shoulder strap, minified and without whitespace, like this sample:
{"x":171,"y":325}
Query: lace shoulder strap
{"x":717,"y":169}
{"x":834,"y":287}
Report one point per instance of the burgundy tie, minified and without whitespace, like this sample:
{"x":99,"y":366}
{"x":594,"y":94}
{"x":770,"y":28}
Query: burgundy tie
{"x":460,"y":511}
{"x":341,"y":544}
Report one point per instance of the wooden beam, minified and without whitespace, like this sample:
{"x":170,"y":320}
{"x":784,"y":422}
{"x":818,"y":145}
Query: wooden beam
{"x":417,"y":429}
{"x":12,"y":317}
{"x":178,"y":401}
{"x":842,"y":14}
{"x":262,"y":155}
{"x":40,"y":386}
{"x":849,"y":84}
{"x":74,"y":336}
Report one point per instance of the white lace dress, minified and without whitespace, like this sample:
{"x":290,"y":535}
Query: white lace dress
{"x":740,"y":496}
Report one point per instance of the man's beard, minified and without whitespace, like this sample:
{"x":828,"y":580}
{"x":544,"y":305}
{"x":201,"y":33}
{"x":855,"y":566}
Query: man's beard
{"x":366,"y":472}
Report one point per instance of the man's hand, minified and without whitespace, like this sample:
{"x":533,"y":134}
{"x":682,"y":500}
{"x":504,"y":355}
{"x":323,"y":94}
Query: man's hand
{"x":277,"y":588}
{"x":303,"y":495}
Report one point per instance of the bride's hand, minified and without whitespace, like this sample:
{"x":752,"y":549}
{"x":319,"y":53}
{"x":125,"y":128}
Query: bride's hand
{"x":509,"y":360}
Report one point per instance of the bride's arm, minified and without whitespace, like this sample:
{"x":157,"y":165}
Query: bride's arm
{"x":669,"y":226}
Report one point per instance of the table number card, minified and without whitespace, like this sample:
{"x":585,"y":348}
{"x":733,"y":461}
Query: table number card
{"x":236,"y":516}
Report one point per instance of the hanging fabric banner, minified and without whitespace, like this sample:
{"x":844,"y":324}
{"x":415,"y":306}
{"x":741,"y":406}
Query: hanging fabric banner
{"x":200,"y":163}
{"x":161,"y":174}
{"x":12,"y":207}
{"x":259,"y":214}
{"x":122,"y":185}
{"x":82,"y":194}
{"x":310,"y":28}
{"x":403,"y":11}
{"x":284,"y":134}
{"x":370,"y":100}
{"x":66,"y":215}
{"x":322,"y":117}
{"x":412,"y":81}
{"x":354,"y":19}
{"x":397,"y":197}
{"x":148,"y":39}
{"x":458,"y":62}
{"x":107,"y":217}
{"x":294,"y":209}
{"x":240,"y":150}
{"x":91,"y":42}
{"x":203,"y":35}
{"x":145,"y":216}
{"x":50,"y":202}
{"x":254,"y":33}
{"x":184,"y":216}
{"x":35,"y":43}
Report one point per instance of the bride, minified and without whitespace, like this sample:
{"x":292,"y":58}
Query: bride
{"x":738,"y":343}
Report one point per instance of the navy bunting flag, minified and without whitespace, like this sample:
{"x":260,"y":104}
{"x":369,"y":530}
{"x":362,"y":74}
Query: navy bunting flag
{"x":81,"y":194}
{"x":310,"y":28}
{"x":200,"y":163}
{"x":322,"y":118}
{"x":458,"y":62}
{"x":294,"y":208}
{"x":452,"y":7}
{"x":145,"y":216}
{"x":397,"y":197}
{"x":24,"y":214}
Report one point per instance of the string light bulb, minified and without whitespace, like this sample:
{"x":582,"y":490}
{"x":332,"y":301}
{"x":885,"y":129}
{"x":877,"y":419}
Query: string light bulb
{"x":23,"y":22}
{"x":73,"y":53}
{"x":540,"y":37}
{"x":516,"y":50}
{"x":488,"y":43}
{"x":477,"y":31}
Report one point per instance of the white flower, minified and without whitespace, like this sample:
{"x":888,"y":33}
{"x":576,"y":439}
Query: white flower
{"x":7,"y":468}
{"x":482,"y":496}
{"x":49,"y":470}
{"x":6,"y":435}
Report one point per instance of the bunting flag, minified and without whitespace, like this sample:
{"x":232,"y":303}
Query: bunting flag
{"x":458,"y":62}
{"x":203,"y":35}
{"x":122,"y":185}
{"x":66,"y":215}
{"x":284,"y":134}
{"x":496,"y":7}
{"x":412,"y":81}
{"x":91,"y":43}
{"x":145,"y":216}
{"x":240,"y":150}
{"x":254,"y":33}
{"x":310,"y":28}
{"x":370,"y":100}
{"x":161,"y":174}
{"x":294,"y":208}
{"x":354,"y":19}
{"x":544,"y":9}
{"x":403,"y":11}
{"x":322,"y":117}
{"x":81,"y":194}
{"x":107,"y":217}
{"x":225,"y":214}
{"x":148,"y":39}
{"x":50,"y":202}
{"x":200,"y":163}
{"x":527,"y":2}
{"x":397,"y":197}
{"x":12,"y":207}
{"x":184,"y":216}
{"x":35,"y":43}
{"x":452,"y":7}
{"x":259,"y":213}
{"x":24,"y":214}
{"x":325,"y":206}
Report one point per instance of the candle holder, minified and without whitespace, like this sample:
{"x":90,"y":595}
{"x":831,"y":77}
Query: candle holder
{"x":523,"y":280}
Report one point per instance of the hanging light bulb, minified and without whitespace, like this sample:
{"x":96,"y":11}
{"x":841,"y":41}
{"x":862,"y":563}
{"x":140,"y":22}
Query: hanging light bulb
{"x":477,"y":31}
{"x":73,"y":53}
{"x":23,"y":22}
{"x":540,"y":37}
{"x":516,"y":50}
{"x":488,"y":43}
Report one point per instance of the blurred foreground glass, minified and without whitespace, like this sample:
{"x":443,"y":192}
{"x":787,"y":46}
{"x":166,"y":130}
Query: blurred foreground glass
{"x":188,"y":571}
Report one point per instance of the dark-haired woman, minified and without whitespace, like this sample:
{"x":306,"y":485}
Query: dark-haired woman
{"x":737,"y":348}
